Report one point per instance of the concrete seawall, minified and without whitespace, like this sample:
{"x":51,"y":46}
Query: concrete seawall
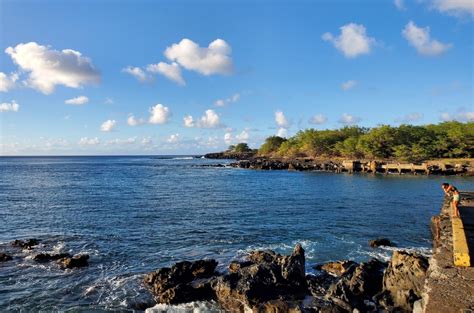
{"x":450,"y":288}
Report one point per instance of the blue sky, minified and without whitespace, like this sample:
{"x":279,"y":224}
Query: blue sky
{"x":276,"y":67}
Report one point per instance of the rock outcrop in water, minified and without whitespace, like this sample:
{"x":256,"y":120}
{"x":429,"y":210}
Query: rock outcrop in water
{"x":76,"y":261}
{"x":46,"y":257}
{"x":25,"y":244}
{"x":380,"y":242}
{"x":183,"y":282}
{"x":269,"y":282}
{"x":5,"y":257}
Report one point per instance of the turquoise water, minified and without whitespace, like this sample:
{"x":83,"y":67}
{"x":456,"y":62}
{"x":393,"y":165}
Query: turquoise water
{"x":135,"y":214}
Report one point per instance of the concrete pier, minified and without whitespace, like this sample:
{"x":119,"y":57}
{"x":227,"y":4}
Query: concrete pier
{"x":450,"y":287}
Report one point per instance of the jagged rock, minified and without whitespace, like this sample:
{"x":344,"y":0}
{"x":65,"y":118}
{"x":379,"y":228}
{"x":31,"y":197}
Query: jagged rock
{"x":269,"y":277}
{"x":75,"y":261}
{"x":183,"y":282}
{"x":25,"y":244}
{"x":404,"y":278}
{"x":318,"y":285}
{"x":46,"y":257}
{"x":380,"y":242}
{"x":5,"y":257}
{"x":337,"y":268}
{"x":357,"y":285}
{"x":235,"y":266}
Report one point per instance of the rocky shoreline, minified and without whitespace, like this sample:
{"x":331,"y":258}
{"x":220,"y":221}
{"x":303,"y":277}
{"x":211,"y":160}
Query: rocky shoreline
{"x":266,"y":281}
{"x":251,"y":161}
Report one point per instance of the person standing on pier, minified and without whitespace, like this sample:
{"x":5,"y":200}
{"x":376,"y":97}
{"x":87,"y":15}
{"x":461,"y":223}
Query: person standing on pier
{"x":451,"y":191}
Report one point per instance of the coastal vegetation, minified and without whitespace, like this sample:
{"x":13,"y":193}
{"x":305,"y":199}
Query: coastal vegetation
{"x":405,"y":142}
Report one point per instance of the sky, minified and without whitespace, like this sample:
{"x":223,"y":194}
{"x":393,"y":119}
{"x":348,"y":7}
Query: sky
{"x":189,"y":77}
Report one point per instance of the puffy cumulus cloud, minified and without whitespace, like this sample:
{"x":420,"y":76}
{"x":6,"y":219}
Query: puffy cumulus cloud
{"x":461,"y":115}
{"x":7,"y":82}
{"x":243,"y":136}
{"x":455,"y":7}
{"x":159,"y":114}
{"x":108,"y":125}
{"x":348,"y":85}
{"x":400,"y":4}
{"x":420,"y":38}
{"x":318,"y":119}
{"x":77,"y":100}
{"x":353,"y":40}
{"x":408,"y":118}
{"x":223,"y":102}
{"x":281,"y":119}
{"x":171,"y":71}
{"x":188,"y":121}
{"x":133,"y":121}
{"x":210,"y":119}
{"x":137,"y":72}
{"x":86,"y":141}
{"x":128,"y":141}
{"x":174,"y":138}
{"x":215,"y":59}
{"x":348,"y":119}
{"x":48,"y":68}
{"x":9,"y":106}
{"x":282,"y":132}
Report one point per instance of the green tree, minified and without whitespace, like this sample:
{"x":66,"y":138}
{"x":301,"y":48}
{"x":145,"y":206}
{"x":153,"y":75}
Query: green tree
{"x":242,"y":147}
{"x":271,"y":145}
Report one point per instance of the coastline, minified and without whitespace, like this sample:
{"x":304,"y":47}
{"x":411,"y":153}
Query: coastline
{"x":341,"y":165}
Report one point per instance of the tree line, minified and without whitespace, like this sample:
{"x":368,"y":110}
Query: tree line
{"x":405,"y":142}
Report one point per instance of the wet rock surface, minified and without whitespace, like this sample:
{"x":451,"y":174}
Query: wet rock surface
{"x":76,"y":261}
{"x":25,"y":244}
{"x":5,"y":257}
{"x":46,"y":257}
{"x":183,"y":282}
{"x":266,"y":281}
{"x":379,"y":242}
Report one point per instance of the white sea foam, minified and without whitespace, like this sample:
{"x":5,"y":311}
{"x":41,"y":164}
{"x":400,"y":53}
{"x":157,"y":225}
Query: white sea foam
{"x":191,"y":307}
{"x":183,"y":158}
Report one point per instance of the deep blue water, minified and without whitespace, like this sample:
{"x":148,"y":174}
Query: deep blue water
{"x":135,"y":214}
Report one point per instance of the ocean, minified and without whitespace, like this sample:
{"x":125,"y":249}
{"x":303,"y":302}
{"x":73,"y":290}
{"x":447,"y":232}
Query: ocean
{"x":134,"y":214}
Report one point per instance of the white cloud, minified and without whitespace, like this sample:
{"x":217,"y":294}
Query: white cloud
{"x":318,"y":119}
{"x":136,"y":72}
{"x":412,"y":117}
{"x":48,"y":68}
{"x":215,"y":59}
{"x":210,"y":119}
{"x":348,"y":119}
{"x":353,"y":40}
{"x":108,"y":125}
{"x":454,"y":7}
{"x":348,"y":84}
{"x":188,"y":121}
{"x":128,"y":141}
{"x":419,"y":38}
{"x":243,"y":136}
{"x":132,"y":121}
{"x":7,"y":82}
{"x":77,"y":101}
{"x":400,"y":4}
{"x":159,"y":114}
{"x":174,"y":138}
{"x":109,"y":100}
{"x":461,"y":116}
{"x":223,"y":102}
{"x":171,"y":71}
{"x":146,"y":140}
{"x":228,"y":139}
{"x":85,"y":141}
{"x":9,"y":106}
{"x":282,"y":132}
{"x":281,"y":119}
